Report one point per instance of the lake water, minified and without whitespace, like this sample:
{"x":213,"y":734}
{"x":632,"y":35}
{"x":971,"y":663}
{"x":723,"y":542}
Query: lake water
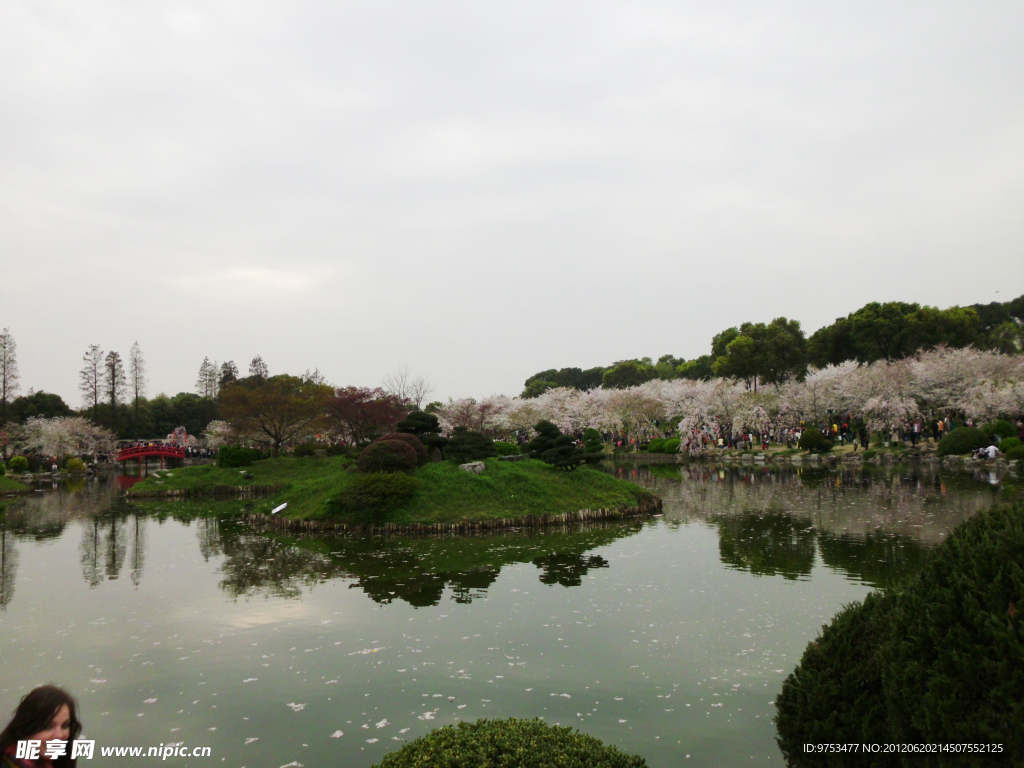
{"x":668,"y":637}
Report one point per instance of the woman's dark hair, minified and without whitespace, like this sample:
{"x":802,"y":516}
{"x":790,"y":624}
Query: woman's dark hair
{"x":35,"y":713}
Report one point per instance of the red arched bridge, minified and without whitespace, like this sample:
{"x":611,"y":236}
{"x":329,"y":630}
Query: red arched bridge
{"x":140,"y":452}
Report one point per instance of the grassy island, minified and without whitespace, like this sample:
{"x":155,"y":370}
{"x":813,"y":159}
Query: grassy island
{"x":440,"y":492}
{"x":9,"y":485}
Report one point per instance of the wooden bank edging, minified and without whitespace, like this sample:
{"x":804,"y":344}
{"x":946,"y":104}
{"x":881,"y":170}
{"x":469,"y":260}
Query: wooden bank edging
{"x":644,"y":507}
{"x":235,"y":491}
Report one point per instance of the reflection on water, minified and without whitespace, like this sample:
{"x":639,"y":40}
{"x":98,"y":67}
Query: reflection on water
{"x":874,"y":525}
{"x":416,"y":570}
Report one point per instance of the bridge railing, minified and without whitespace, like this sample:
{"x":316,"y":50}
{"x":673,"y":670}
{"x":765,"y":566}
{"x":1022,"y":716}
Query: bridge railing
{"x":140,"y":451}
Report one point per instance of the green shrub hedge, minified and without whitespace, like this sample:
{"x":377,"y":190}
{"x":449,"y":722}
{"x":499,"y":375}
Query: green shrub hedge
{"x":237,"y":456}
{"x":505,"y":448}
{"x":413,"y":442}
{"x":671,"y":445}
{"x":388,"y":456}
{"x":962,"y":440}
{"x":1008,"y":444}
{"x":939,"y":658}
{"x":74,"y":465}
{"x":369,"y":498}
{"x":1015,"y":454}
{"x":511,"y":743}
{"x":1000,"y":427}
{"x":18,"y":464}
{"x":303,"y":450}
{"x":813,"y":441}
{"x":656,"y":444}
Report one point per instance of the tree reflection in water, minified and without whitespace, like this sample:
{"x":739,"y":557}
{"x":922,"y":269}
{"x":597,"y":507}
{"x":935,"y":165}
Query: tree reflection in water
{"x":416,"y":570}
{"x":767,"y":544}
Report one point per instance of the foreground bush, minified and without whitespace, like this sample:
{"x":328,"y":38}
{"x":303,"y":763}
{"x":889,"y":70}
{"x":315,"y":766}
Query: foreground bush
{"x":962,"y":440}
{"x":369,"y":498}
{"x":387,"y":456}
{"x":413,"y":442}
{"x":508,"y":743}
{"x":236,"y":456}
{"x":813,"y":441}
{"x":18,"y":464}
{"x":656,"y":445}
{"x":940,"y":659}
{"x":74,"y":465}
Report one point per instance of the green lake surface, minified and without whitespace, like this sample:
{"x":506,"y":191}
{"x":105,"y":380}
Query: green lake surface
{"x":668,"y":637}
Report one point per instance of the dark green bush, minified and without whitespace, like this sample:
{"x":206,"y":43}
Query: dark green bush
{"x":939,"y":658}
{"x":813,"y":441}
{"x":413,"y":442}
{"x":18,"y":464}
{"x":655,"y":445}
{"x":3,"y":468}
{"x":870,"y":453}
{"x":466,"y":445}
{"x":303,"y":450}
{"x":511,"y":743}
{"x":507,"y":449}
{"x":388,"y":456}
{"x":1000,"y":427}
{"x":426,"y":427}
{"x":962,"y":440}
{"x":74,"y":465}
{"x":1008,"y":444}
{"x":236,"y":456}
{"x":671,"y":445}
{"x":35,"y":463}
{"x":1015,"y":454}
{"x":552,"y":447}
{"x":369,"y":498}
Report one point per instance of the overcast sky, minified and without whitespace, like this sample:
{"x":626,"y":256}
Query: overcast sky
{"x":483,"y":190}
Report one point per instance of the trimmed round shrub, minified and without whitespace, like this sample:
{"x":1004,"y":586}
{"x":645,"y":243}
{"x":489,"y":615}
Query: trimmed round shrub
{"x":1015,"y":454}
{"x":74,"y":465}
{"x":937,"y":658}
{"x":369,"y":498}
{"x":505,"y":448}
{"x":387,"y":456}
{"x":656,"y":445}
{"x":962,"y":440}
{"x":1008,"y":444}
{"x":1000,"y":427}
{"x":18,"y":464}
{"x":236,"y":456}
{"x":814,"y":442}
{"x":671,"y":445}
{"x":413,"y":442}
{"x":512,"y":742}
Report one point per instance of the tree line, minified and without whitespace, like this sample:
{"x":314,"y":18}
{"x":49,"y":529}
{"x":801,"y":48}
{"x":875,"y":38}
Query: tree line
{"x":775,"y":352}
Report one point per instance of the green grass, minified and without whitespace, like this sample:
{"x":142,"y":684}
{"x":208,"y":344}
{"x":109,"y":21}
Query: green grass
{"x":9,"y":485}
{"x":446,"y":494}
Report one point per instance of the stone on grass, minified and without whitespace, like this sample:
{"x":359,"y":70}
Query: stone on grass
{"x":476,"y":467}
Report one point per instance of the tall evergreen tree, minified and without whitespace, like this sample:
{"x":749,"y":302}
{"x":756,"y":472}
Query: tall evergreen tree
{"x":113,"y":384}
